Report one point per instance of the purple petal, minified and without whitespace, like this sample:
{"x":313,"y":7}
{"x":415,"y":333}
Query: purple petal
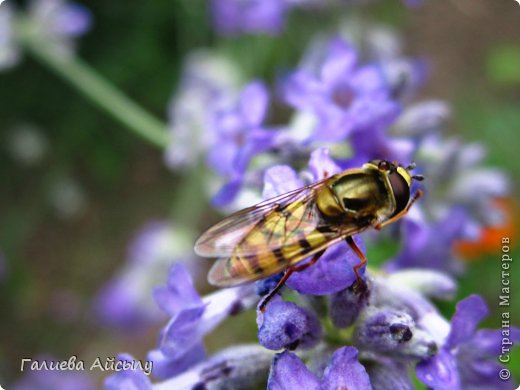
{"x":285,"y":324}
{"x":179,"y":293}
{"x":470,"y":311}
{"x":289,"y":373}
{"x":439,"y":372}
{"x":253,"y":103}
{"x":128,"y":379}
{"x":74,"y":20}
{"x":221,"y":157}
{"x":339,"y":62}
{"x":333,"y":272}
{"x":483,"y":375}
{"x":279,"y":180}
{"x":345,"y":372}
{"x":303,"y":91}
{"x":166,"y":367}
{"x":487,"y":343}
{"x":367,"y":79}
{"x":322,"y":165}
{"x":182,"y":332}
{"x":233,"y":17}
{"x":389,"y":376}
{"x":227,"y":193}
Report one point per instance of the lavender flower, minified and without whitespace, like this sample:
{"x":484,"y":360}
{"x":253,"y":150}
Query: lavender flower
{"x":344,"y":371}
{"x":59,"y":23}
{"x":467,"y":359}
{"x":233,"y":17}
{"x":208,"y":83}
{"x":191,"y":318}
{"x":343,"y":97}
{"x":347,"y":338}
{"x":239,"y":136}
{"x":128,"y":379}
{"x":238,"y":367}
{"x":286,"y":325}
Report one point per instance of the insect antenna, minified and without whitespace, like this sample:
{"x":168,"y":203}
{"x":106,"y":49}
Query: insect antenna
{"x":411,"y":166}
{"x":418,"y":177}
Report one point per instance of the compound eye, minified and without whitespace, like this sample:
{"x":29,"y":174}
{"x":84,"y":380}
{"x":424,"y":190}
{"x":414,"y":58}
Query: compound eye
{"x":384,"y":165}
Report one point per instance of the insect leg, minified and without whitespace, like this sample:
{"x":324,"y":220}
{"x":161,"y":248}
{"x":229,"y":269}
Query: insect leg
{"x":416,"y":196}
{"x":288,"y":272}
{"x":360,"y":283}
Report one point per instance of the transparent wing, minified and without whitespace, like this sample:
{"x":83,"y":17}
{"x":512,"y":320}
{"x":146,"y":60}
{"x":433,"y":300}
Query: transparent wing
{"x":237,"y":270}
{"x":221,"y":239}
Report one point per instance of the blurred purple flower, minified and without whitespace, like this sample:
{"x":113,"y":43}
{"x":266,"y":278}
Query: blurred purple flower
{"x":238,"y":135}
{"x":208,"y":82}
{"x":233,"y":17}
{"x":192,"y":317}
{"x":9,"y":50}
{"x":467,"y":360}
{"x":343,"y":371}
{"x":237,"y":367}
{"x":286,"y":325}
{"x":125,"y":301}
{"x":52,"y":379}
{"x":59,"y":23}
{"x":128,"y":379}
{"x":430,"y":244}
{"x":455,"y":177}
{"x":421,"y":119}
{"x":343,"y":97}
{"x":378,"y":145}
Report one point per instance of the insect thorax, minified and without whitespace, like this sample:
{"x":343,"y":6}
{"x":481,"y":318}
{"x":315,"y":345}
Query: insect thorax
{"x":361,"y":194}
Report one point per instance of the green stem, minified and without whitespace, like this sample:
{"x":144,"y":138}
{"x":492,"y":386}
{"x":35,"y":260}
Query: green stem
{"x":95,"y":87}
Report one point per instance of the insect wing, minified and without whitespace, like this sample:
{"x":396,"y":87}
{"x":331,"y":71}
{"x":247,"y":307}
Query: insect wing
{"x":284,"y":237}
{"x":221,"y":239}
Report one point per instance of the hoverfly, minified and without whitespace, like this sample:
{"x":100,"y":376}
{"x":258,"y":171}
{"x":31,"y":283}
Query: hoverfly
{"x":279,"y":233}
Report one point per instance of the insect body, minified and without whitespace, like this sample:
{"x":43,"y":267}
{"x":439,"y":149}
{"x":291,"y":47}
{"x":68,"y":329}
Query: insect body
{"x":279,"y":233}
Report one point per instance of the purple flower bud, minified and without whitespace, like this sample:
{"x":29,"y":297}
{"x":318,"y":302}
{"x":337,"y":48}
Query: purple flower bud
{"x":391,"y":331}
{"x":346,"y":305}
{"x":286,"y":325}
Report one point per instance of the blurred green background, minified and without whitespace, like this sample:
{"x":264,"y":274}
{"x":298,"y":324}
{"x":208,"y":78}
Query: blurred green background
{"x":122,"y":182}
